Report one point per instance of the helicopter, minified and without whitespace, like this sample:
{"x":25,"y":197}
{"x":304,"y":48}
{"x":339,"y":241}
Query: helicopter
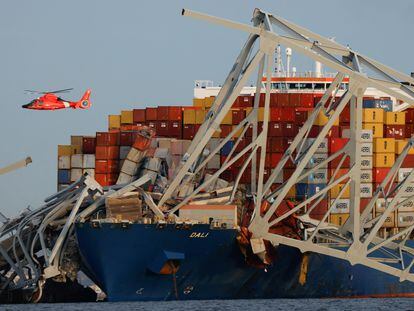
{"x":50,"y":101}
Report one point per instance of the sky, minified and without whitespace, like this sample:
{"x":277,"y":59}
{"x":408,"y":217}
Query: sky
{"x":134,"y":54}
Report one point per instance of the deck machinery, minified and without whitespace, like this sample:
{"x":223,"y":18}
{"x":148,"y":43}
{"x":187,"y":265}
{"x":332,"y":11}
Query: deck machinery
{"x":35,"y":244}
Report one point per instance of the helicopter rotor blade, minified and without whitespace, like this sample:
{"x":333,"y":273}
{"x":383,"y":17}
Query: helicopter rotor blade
{"x":48,"y":92}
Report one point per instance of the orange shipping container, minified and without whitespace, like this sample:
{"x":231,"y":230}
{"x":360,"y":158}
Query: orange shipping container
{"x":107,"y":152}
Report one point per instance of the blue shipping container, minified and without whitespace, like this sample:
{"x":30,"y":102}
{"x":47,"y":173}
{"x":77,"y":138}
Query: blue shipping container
{"x":225,"y":150}
{"x":64,"y":176}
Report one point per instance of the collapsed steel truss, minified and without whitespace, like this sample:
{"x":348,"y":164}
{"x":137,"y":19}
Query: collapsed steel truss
{"x":357,"y":241}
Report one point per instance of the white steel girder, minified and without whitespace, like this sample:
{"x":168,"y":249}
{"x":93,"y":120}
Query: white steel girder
{"x":356,"y":241}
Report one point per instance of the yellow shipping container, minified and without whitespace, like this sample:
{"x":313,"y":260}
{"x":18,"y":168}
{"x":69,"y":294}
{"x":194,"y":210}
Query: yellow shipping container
{"x":189,"y":116}
{"x":208,"y":101}
{"x":338,"y":219}
{"x":334,"y":191}
{"x":114,"y":121}
{"x":127,"y":117}
{"x":198,"y":102}
{"x":322,"y":119}
{"x":384,"y":159}
{"x":376,"y":128}
{"x":216,"y":134}
{"x":384,"y":145}
{"x":400,"y":145}
{"x":394,"y":118}
{"x":228,"y":118}
{"x":68,"y":150}
{"x":76,"y":140}
{"x":200,"y":115}
{"x":373,"y":115}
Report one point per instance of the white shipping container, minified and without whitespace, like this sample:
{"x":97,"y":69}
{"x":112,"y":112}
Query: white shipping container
{"x":129,"y":167}
{"x":405,"y":219}
{"x":366,"y":149}
{"x":402,"y":173}
{"x":366,"y":135}
{"x":123,"y":152}
{"x":76,"y":160}
{"x":319,"y":176}
{"x":366,"y":163}
{"x":366,"y":176}
{"x":380,"y":205}
{"x":89,"y":171}
{"x":186,"y":144}
{"x":409,"y":191}
{"x":64,"y":162}
{"x":88,"y":161}
{"x":176,"y":159}
{"x":214,"y":163}
{"x":340,"y":207}
{"x":407,"y":206}
{"x":75,"y":174}
{"x":163,"y":153}
{"x":164,"y":143}
{"x":322,"y":148}
{"x":316,"y":159}
{"x":135,"y":155}
{"x":212,"y":144}
{"x":124,"y":178}
{"x":176,"y":147}
{"x":366,"y":190}
{"x":205,"y":213}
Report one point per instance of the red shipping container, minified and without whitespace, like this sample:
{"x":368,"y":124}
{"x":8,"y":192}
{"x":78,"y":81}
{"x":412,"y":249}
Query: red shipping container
{"x":107,"y":139}
{"x":275,"y":159}
{"x":289,"y":129}
{"x":162,"y":128}
{"x":283,"y":100}
{"x":152,"y":125}
{"x":288,"y":114}
{"x":162,"y":113}
{"x":243,"y":101}
{"x":141,"y":142}
{"x":334,"y":132}
{"x":314,"y":131}
{"x":238,"y":115}
{"x":138,"y":115}
{"x":225,"y":130}
{"x":175,"y":113}
{"x":409,"y":116}
{"x":287,"y":172}
{"x":88,"y":145}
{"x":341,"y":172}
{"x":241,"y":145}
{"x":176,"y":129}
{"x":273,"y":100}
{"x":320,"y":209}
{"x":275,"y":129}
{"x":306,"y":100}
{"x":408,"y":161}
{"x":363,"y":204}
{"x":335,"y":162}
{"x":345,"y":116}
{"x":106,"y":179}
{"x":126,"y":139}
{"x":189,"y":131}
{"x":301,"y":116}
{"x":336,"y":144}
{"x":275,"y":114}
{"x":151,"y":114}
{"x":277,"y":144}
{"x":249,"y":131}
{"x":379,"y":174}
{"x":394,"y":131}
{"x":106,"y":166}
{"x":294,"y":100}
{"x":228,"y":175}
{"x":107,"y":152}
{"x":409,"y":130}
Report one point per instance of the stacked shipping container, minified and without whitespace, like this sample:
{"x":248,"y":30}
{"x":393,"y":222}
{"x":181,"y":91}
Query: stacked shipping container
{"x":383,"y":138}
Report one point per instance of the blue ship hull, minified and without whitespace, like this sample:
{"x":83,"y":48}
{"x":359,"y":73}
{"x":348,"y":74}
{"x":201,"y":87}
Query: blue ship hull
{"x":127,"y":263}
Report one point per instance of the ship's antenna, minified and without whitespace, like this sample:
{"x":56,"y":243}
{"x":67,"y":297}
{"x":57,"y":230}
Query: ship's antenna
{"x":288,"y":59}
{"x":278,"y":61}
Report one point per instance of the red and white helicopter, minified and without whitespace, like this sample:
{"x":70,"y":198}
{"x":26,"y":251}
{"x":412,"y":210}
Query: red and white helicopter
{"x":49,"y":101}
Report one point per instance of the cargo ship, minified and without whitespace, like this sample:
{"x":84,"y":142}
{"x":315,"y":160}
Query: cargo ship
{"x":205,"y":249}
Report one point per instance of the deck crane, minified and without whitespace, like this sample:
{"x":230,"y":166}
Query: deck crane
{"x":357,"y":240}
